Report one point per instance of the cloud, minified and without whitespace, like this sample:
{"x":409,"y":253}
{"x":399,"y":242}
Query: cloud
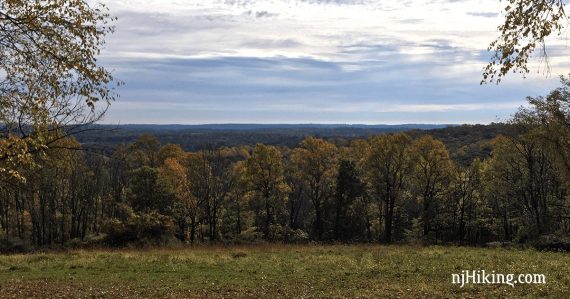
{"x":288,"y":86}
{"x":311,"y":60}
{"x":484,"y":14}
{"x":338,"y":2}
{"x":411,"y":21}
{"x":264,"y":14}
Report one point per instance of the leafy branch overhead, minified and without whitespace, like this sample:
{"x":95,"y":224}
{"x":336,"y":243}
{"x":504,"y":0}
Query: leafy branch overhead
{"x":527,"y":24}
{"x":50,"y":79}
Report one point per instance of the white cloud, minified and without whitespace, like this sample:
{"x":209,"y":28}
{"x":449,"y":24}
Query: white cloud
{"x":318,"y":29}
{"x":322,"y":27}
{"x":313,"y":56}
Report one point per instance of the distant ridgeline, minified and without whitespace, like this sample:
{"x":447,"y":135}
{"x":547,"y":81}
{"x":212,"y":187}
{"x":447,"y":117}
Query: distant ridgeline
{"x":464,"y":142}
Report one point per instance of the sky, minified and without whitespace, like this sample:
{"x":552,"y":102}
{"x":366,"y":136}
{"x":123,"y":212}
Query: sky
{"x":313,"y":61}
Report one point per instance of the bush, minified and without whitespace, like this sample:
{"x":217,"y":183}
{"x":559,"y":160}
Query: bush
{"x":90,"y":241}
{"x":552,"y":242}
{"x":414,"y":235}
{"x":296,"y":236}
{"x":250,"y":235}
{"x":277,"y":232}
{"x":13,"y":245}
{"x":139,"y":230}
{"x":118,"y":233}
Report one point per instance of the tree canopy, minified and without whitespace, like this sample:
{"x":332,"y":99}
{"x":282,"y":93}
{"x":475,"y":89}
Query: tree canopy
{"x":50,"y":79}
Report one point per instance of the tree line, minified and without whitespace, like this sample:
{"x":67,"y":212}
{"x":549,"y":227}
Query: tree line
{"x":386,"y":188}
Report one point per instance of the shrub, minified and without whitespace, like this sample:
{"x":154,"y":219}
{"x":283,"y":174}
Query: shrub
{"x":296,"y":236}
{"x":250,"y":235}
{"x":552,"y":242}
{"x":139,"y":230}
{"x":90,"y":241}
{"x":13,"y":245}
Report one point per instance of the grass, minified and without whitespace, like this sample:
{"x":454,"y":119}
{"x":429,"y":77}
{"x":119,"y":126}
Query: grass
{"x":274,"y":271}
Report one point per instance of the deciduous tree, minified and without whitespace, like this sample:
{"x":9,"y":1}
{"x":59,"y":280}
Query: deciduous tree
{"x":388,"y":166}
{"x":315,"y":162}
{"x":267,"y":181}
{"x":432,"y":176}
{"x":50,"y":80}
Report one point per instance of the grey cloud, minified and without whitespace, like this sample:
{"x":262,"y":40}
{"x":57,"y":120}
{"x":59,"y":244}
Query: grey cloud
{"x":364,"y":48}
{"x":338,"y":2}
{"x":484,"y":14}
{"x":392,"y":45}
{"x":369,"y":69}
{"x":239,"y":3}
{"x":272,"y":44}
{"x":145,"y":24}
{"x":286,"y":79}
{"x":439,"y":44}
{"x":260,"y":14}
{"x":264,"y":14}
{"x":217,"y":89}
{"x":148,"y":24}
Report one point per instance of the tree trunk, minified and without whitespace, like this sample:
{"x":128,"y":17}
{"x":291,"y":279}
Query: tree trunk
{"x":388,"y":220}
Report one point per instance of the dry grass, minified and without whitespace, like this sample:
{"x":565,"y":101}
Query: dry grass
{"x":278,"y":271}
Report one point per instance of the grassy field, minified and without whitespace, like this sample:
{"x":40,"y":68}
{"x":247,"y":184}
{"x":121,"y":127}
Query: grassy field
{"x":279,"y":271}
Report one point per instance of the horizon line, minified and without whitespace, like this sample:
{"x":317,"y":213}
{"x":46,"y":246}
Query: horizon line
{"x":298,"y":123}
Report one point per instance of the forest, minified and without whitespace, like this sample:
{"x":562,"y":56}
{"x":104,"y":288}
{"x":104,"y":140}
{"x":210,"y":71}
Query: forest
{"x":387,"y":188}
{"x":97,"y":200}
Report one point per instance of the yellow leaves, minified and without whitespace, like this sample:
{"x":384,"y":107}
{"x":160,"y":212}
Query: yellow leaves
{"x":265,"y":170}
{"x":52,"y":70}
{"x":315,"y":157}
{"x":12,"y":174}
{"x":13,"y":155}
{"x":527,"y":23}
{"x":174,"y":170}
{"x":430,"y":152}
{"x":173,"y":151}
{"x":176,"y":174}
{"x":387,"y":163}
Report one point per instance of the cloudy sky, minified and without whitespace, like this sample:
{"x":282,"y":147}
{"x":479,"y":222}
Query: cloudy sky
{"x":312,"y":61}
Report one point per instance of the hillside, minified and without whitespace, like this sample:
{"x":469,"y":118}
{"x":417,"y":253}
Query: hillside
{"x":464,"y":142}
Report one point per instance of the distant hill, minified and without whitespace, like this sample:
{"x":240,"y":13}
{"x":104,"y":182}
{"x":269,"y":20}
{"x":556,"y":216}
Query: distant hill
{"x":467,"y":142}
{"x":464,"y":141}
{"x":193,"y":137}
{"x":248,"y":127}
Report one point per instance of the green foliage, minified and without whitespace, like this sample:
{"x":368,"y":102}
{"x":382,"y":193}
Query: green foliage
{"x":432,"y":176}
{"x":314,"y":164}
{"x":149,"y":192}
{"x":388,"y":166}
{"x":349,"y":187}
{"x":267,"y":182}
{"x":548,"y":120}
